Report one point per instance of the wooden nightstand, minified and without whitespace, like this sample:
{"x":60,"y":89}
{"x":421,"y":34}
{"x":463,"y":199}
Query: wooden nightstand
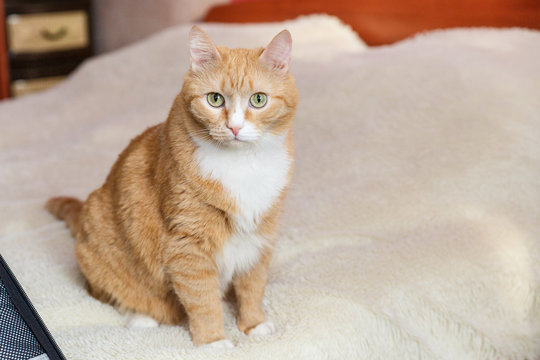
{"x":46,"y":40}
{"x":4,"y":72}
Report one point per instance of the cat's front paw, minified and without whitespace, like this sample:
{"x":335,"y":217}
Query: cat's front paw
{"x":263,"y":329}
{"x":221,"y":344}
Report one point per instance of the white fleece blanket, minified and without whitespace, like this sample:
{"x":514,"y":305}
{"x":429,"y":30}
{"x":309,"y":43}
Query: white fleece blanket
{"x":412,"y":226}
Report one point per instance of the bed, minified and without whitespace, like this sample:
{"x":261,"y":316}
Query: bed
{"x":412,"y":225}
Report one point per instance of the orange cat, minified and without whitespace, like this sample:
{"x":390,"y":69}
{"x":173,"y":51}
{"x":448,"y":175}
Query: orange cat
{"x":192,"y":205}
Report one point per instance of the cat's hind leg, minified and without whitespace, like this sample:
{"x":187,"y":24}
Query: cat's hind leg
{"x":144,"y":307}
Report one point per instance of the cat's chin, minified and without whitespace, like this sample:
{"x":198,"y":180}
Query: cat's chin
{"x":229,"y":143}
{"x":237,"y":144}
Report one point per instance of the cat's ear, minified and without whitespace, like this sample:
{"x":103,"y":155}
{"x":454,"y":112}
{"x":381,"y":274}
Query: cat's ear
{"x":277,"y":55}
{"x":201,"y":48}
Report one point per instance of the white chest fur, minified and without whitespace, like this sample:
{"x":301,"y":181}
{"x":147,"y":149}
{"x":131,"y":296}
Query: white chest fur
{"x":254,"y":179}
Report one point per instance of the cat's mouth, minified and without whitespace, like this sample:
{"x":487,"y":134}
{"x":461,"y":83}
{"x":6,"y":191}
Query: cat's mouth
{"x":224,"y":139}
{"x":237,"y":143}
{"x":233,"y":140}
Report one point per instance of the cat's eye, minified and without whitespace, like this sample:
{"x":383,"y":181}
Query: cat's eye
{"x":215,"y":99}
{"x":258,"y":100}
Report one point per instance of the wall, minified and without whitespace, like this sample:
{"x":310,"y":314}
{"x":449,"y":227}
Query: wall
{"x":120,"y":22}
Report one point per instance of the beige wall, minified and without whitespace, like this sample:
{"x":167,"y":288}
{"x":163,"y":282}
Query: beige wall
{"x":120,"y":22}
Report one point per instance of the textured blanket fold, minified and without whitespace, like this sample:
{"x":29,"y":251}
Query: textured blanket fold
{"x":412,"y":226}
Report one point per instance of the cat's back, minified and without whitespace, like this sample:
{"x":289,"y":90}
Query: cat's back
{"x":139,"y":157}
{"x":129,"y":190}
{"x":120,"y":221}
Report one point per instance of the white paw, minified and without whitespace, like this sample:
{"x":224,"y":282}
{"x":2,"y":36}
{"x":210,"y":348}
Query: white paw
{"x":263,"y":329}
{"x":221,"y":344}
{"x":140,"y":321}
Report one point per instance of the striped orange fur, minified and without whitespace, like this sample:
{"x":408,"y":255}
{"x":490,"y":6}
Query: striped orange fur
{"x":165,"y":235}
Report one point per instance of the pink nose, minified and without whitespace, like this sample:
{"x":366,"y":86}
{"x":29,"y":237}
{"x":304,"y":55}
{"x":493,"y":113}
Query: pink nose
{"x":235,"y":129}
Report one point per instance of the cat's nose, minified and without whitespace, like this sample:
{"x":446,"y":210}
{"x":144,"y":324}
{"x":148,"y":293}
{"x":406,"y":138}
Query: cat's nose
{"x":235,"y":129}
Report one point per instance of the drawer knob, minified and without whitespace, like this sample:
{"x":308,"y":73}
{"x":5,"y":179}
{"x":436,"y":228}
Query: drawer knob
{"x":53,"y":35}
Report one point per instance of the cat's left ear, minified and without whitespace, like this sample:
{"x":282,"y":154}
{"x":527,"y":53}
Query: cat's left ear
{"x":202,"y":49}
{"x":277,"y":55}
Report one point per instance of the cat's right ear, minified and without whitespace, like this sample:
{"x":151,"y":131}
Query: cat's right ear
{"x":201,"y":48}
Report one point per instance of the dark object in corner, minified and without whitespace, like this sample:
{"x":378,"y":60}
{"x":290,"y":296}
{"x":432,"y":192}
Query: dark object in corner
{"x":23,"y":335}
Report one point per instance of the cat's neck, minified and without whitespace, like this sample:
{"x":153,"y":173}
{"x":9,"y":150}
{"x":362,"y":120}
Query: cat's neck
{"x":253,"y":176}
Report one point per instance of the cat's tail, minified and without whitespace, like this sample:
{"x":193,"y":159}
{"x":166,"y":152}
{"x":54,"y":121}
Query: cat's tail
{"x":66,"y":208}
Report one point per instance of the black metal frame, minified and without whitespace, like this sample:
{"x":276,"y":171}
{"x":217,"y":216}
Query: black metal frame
{"x":29,"y":313}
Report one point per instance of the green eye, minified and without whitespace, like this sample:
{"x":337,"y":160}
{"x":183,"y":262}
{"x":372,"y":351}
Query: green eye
{"x":258,"y":100}
{"x":215,"y":99}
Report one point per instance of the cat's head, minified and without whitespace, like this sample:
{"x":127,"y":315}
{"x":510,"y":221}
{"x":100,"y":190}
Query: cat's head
{"x":235,"y":97}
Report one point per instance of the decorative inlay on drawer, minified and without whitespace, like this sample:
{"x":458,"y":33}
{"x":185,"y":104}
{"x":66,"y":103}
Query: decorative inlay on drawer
{"x":34,"y":33}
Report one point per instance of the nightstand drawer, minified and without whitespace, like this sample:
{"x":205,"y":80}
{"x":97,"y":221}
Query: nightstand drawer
{"x":54,"y":31}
